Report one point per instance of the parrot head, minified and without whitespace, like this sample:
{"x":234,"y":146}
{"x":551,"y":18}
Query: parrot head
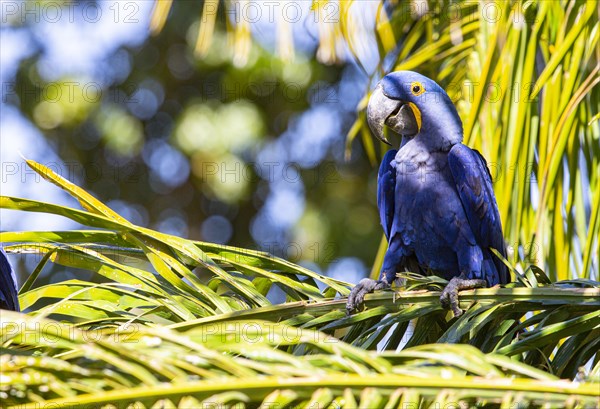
{"x":414,"y":106}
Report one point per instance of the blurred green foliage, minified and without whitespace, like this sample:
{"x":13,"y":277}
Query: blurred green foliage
{"x":217,"y":115}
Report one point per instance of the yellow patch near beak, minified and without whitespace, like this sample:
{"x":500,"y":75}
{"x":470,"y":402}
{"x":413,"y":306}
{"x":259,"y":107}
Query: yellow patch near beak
{"x":417,"y":114}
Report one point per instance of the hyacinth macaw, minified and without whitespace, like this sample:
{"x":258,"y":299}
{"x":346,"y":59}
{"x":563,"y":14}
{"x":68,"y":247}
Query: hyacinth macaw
{"x":435,"y":196}
{"x":9,"y":299}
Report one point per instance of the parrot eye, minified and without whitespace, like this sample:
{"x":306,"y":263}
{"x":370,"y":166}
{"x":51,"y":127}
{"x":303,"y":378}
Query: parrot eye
{"x":417,"y":88}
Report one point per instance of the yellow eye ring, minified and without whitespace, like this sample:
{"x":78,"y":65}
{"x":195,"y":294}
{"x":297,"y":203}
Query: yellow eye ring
{"x":417,"y":88}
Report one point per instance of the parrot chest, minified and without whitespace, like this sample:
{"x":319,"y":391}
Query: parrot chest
{"x":429,"y":215}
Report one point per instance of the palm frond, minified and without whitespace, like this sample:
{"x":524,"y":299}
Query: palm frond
{"x":60,"y":363}
{"x":151,"y":320}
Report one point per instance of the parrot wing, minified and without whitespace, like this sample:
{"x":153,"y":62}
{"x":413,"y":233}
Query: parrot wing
{"x":8,"y":287}
{"x":386,"y":186}
{"x":474,"y":184}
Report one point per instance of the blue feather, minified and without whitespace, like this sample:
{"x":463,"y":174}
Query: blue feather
{"x":474,"y":184}
{"x":386,"y":185}
{"x":9,"y":299}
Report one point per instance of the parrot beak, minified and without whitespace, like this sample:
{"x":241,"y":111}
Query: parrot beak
{"x":404,"y":118}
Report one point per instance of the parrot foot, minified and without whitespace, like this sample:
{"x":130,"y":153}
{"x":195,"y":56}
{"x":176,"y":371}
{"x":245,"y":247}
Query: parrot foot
{"x":365,"y":286}
{"x":449,"y":297}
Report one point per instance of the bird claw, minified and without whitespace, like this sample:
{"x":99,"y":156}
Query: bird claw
{"x":449,"y":296}
{"x":357,"y":295}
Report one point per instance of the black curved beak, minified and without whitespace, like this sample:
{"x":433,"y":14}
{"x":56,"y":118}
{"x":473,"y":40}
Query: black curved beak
{"x":404,"y":118}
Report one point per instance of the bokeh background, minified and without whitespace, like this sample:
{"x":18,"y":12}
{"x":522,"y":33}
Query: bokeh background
{"x":233,"y":147}
{"x":241,"y":122}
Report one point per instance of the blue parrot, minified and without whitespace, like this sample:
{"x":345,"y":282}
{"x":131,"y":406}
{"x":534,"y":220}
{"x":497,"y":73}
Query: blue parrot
{"x":434,"y":194}
{"x":9,"y":299}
